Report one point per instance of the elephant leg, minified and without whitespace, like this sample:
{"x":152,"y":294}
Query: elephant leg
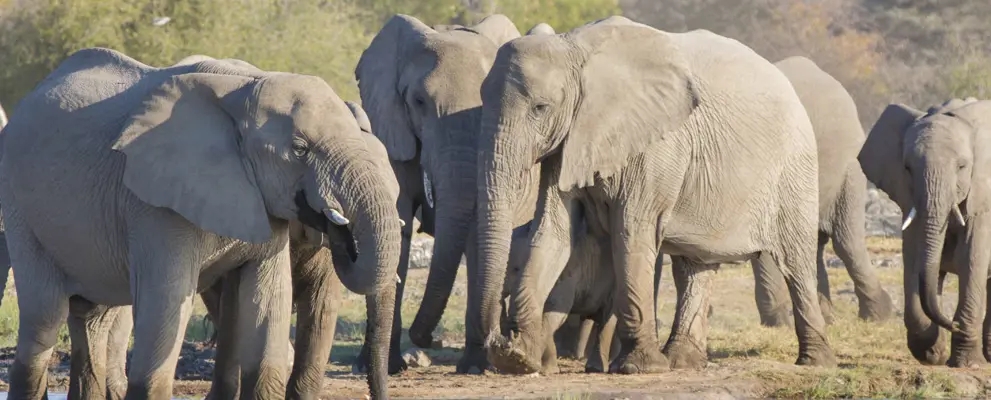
{"x":42,"y":307}
{"x":797,"y":265}
{"x":120,"y":335}
{"x":159,"y":326}
{"x":634,"y":254}
{"x":221,"y":304}
{"x":264,"y":305}
{"x":317,"y":300}
{"x":89,"y":328}
{"x":686,"y":347}
{"x":566,"y":338}
{"x":987,"y":325}
{"x":966,"y":343}
{"x":822,"y":280}
{"x":474,"y":360}
{"x":601,"y":345}
{"x":658,"y":268}
{"x":396,"y":362}
{"x":771,"y":292}
{"x":584,"y":335}
{"x":926,"y":341}
{"x":849,"y":241}
{"x":553,"y":320}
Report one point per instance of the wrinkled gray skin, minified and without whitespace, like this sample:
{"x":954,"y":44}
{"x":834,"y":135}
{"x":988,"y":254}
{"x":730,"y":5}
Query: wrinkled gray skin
{"x":842,"y":194}
{"x":935,"y":166}
{"x":420,"y":87}
{"x":163,"y":180}
{"x":592,"y":107}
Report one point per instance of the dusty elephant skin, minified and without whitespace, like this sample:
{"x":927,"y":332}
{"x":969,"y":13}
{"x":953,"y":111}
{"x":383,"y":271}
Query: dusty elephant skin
{"x":647,"y":159}
{"x":935,"y":166}
{"x":171,"y":178}
{"x":842,"y":193}
{"x":420,"y":87}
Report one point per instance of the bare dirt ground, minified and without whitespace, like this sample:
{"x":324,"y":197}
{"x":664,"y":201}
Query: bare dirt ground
{"x":746,"y":360}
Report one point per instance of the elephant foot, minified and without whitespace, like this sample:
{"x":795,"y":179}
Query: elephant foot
{"x":817,"y":356}
{"x":473,"y":361}
{"x":929,"y":349}
{"x":640,"y":359}
{"x":878,"y":308}
{"x":966,"y":359}
{"x":420,"y":336}
{"x":362,"y":364}
{"x":594,"y":368}
{"x":778,"y":317}
{"x":682,"y":354}
{"x":550,"y":369}
{"x":509,"y":357}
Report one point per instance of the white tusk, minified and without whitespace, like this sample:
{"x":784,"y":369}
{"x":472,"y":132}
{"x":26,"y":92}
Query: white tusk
{"x":959,"y":215}
{"x":398,"y":280}
{"x":428,"y":189}
{"x":908,"y":219}
{"x":402,"y":223}
{"x":336,"y":217}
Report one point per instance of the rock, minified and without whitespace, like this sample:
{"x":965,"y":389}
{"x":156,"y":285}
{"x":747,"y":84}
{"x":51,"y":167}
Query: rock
{"x":884,"y":218}
{"x":416,"y":358}
{"x":421,"y":250}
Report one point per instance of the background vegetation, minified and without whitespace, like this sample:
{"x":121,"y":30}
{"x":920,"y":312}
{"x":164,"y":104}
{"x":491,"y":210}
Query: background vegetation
{"x":914,"y":51}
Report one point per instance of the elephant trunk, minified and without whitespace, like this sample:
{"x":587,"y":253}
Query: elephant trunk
{"x":502,"y":165}
{"x":935,"y":213}
{"x":375,"y":231}
{"x":380,"y":308}
{"x":454,"y":183}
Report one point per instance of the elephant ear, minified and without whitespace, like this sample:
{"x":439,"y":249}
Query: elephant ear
{"x":978,"y":117}
{"x":881,"y":156}
{"x":360,"y":116}
{"x":498,"y":28}
{"x":182,"y":153}
{"x":378,"y":74}
{"x":635,"y":87}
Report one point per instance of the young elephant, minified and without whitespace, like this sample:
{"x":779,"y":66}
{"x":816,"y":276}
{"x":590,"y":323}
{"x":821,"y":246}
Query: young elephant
{"x":842,"y":194}
{"x":161,"y":180}
{"x":663,"y":141}
{"x":935,"y":166}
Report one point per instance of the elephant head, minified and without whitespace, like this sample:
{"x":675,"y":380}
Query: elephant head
{"x":235,"y":153}
{"x":585,"y":101}
{"x":540,"y":29}
{"x":937,"y":167}
{"x":420,"y":87}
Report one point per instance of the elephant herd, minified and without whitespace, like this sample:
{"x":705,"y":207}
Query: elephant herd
{"x":561,"y":166}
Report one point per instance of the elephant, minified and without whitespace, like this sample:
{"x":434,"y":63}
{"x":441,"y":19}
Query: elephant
{"x":935,"y":166}
{"x":842,"y":195}
{"x":3,"y":118}
{"x":163,"y":207}
{"x":420,"y":87}
{"x":662,"y":141}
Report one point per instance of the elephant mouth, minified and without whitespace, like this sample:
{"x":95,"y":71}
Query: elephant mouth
{"x":508,"y":357}
{"x":341,"y":239}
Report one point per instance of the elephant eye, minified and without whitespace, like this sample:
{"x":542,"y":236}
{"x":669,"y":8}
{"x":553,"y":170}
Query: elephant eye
{"x":540,"y":108}
{"x":300,"y":148}
{"x":419,"y":101}
{"x":962,"y":165}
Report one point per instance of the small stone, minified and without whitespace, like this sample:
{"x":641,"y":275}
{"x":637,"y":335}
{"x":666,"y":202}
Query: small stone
{"x":416,"y":358}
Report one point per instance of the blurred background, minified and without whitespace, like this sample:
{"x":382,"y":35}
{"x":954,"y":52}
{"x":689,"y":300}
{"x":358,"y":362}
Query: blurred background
{"x":918,"y":52}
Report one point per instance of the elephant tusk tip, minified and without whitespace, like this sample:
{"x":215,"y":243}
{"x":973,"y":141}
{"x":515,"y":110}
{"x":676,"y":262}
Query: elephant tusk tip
{"x":402,"y":224}
{"x":336,"y":217}
{"x":908,"y":219}
{"x":398,"y":279}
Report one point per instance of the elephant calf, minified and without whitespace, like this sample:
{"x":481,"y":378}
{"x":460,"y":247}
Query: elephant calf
{"x":935,"y":165}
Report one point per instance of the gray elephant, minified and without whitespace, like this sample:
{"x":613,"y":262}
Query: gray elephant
{"x":842,"y":194}
{"x":935,"y":166}
{"x":664,"y":142}
{"x":161,"y":180}
{"x":420,"y":87}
